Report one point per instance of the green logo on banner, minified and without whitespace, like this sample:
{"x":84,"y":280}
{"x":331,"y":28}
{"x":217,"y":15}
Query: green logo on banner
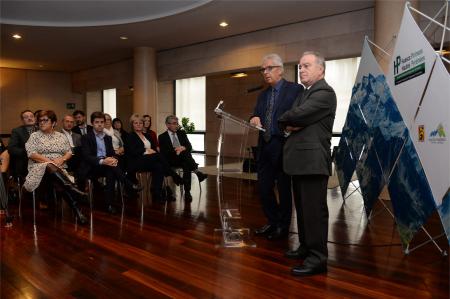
{"x":407,"y":68}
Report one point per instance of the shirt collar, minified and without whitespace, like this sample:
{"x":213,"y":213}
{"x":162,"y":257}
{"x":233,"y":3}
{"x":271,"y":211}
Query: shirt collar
{"x":278,"y":85}
{"x":99,"y":135}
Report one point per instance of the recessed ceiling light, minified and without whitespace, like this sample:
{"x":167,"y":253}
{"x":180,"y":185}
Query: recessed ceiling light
{"x":17,"y":36}
{"x":223,"y":24}
{"x":239,"y":75}
{"x":123,"y":38}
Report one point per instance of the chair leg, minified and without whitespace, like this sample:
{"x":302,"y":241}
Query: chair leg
{"x":34,"y":211}
{"x":89,"y":182}
{"x":19,"y":190}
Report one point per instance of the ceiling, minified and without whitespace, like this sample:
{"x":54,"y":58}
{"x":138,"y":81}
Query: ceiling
{"x":74,"y":35}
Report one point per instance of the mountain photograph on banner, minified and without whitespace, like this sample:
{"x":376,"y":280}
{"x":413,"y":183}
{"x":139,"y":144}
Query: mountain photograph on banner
{"x":356,"y":135}
{"x":420,"y":84}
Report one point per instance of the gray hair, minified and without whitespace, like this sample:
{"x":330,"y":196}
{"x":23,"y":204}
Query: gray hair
{"x":320,"y":60}
{"x":171,"y":118}
{"x":275,"y":58}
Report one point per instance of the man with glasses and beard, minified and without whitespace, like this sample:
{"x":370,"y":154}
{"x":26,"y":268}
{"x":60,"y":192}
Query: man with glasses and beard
{"x":271,"y":104}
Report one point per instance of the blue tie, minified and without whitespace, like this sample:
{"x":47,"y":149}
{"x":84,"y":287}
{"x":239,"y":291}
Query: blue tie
{"x":269,"y":111}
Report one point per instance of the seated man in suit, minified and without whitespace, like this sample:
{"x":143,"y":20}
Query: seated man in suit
{"x":99,"y":160}
{"x":75,"y":143}
{"x":176,"y":148}
{"x":82,"y":127}
{"x":16,"y":146}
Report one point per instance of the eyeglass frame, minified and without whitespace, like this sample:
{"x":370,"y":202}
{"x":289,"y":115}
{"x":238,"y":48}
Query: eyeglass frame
{"x":268,"y":68}
{"x":43,"y":120}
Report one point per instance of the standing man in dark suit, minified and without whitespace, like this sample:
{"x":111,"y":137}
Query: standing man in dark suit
{"x":271,"y":104}
{"x":16,"y":147}
{"x":99,"y":160}
{"x":82,"y":127}
{"x":176,"y":148}
{"x":307,"y":158}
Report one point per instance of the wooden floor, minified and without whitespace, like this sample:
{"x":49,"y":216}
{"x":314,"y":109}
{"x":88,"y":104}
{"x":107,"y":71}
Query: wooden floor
{"x":169,"y":252}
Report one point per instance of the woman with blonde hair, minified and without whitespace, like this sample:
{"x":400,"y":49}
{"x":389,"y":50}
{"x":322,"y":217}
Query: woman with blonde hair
{"x":142,"y":155}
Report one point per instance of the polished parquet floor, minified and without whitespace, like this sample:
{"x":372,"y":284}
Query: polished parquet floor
{"x":169,"y":251}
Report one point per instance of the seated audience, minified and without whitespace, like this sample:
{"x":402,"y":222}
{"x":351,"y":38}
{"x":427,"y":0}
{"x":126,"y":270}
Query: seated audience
{"x":99,"y":159}
{"x":147,"y":130}
{"x":176,"y":148}
{"x":4,"y":163}
{"x":142,"y":156}
{"x":48,"y":151}
{"x":16,"y":146}
{"x":115,"y":135}
{"x":81,"y":128}
{"x":118,"y":126}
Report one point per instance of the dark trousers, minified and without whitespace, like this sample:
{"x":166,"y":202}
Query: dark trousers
{"x":112,"y":175}
{"x":310,"y":197}
{"x":188,"y":164}
{"x":151,"y":163}
{"x":270,"y":174}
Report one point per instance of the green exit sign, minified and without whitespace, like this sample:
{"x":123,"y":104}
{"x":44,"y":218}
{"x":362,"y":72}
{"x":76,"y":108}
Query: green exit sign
{"x":70,"y":106}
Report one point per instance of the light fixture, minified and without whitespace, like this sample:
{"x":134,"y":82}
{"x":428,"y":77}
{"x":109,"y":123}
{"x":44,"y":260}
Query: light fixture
{"x":223,"y":24}
{"x":41,"y":65}
{"x":239,"y":75}
{"x":17,"y":36}
{"x":123,"y":38}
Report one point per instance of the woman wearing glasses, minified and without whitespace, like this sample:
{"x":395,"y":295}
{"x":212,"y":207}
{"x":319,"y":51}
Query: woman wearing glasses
{"x":48,"y":151}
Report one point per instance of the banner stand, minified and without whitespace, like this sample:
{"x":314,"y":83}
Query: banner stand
{"x":357,"y":189}
{"x":432,"y":239}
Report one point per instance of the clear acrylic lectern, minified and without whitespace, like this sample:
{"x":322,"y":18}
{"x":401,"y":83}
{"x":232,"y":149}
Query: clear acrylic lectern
{"x":231,"y":151}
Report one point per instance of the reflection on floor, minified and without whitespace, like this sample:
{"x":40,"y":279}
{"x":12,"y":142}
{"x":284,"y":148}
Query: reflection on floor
{"x":168,"y":250}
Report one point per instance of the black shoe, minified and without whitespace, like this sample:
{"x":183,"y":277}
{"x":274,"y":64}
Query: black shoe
{"x":299,"y":253}
{"x":187,"y":196}
{"x":278,"y":233}
{"x":136,"y":187}
{"x":158,"y":197}
{"x":266,"y":229}
{"x":201,"y":176}
{"x":308,"y":270}
{"x":111,"y":210}
{"x":177,"y":179}
{"x":81,"y":218}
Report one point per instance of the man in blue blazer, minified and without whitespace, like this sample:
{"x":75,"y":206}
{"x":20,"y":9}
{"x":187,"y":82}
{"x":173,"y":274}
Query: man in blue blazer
{"x":271,"y":104}
{"x":99,"y":159}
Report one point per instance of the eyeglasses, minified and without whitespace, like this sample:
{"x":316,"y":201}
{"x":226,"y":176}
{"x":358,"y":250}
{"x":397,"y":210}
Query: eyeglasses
{"x":44,"y":120}
{"x":173,"y":123}
{"x":268,"y":68}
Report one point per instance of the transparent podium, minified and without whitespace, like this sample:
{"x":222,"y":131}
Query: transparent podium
{"x":231,"y":151}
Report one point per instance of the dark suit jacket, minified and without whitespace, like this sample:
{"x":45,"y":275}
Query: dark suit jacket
{"x":308,"y":151}
{"x":89,"y":148}
{"x":288,"y":93}
{"x":166,"y":147}
{"x":134,"y":149}
{"x":77,"y":129}
{"x":16,"y":147}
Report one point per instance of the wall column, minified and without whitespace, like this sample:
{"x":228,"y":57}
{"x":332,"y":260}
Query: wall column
{"x":145,"y":95}
{"x":387,"y":19}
